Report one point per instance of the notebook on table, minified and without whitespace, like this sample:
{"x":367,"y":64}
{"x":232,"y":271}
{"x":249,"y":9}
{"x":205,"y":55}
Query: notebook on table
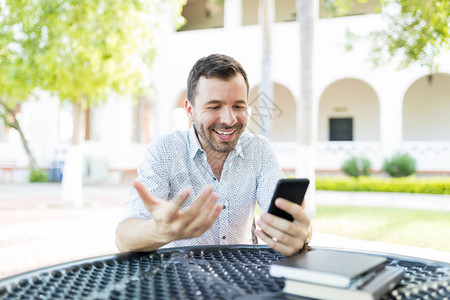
{"x":329,"y":267}
{"x":333,"y":275}
{"x":384,"y":281}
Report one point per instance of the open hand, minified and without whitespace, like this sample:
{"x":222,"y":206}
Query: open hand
{"x":170,"y":223}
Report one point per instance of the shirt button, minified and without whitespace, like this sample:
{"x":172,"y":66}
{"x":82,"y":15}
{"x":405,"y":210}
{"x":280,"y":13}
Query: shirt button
{"x":214,"y":178}
{"x":224,"y":237}
{"x":224,"y":206}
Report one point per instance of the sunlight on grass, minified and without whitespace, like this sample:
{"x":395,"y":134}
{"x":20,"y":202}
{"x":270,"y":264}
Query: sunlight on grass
{"x":418,"y":228}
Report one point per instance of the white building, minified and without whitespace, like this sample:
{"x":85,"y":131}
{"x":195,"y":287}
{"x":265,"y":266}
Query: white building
{"x":357,"y":109}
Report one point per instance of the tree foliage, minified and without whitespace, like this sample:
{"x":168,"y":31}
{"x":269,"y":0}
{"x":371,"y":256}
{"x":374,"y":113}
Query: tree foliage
{"x":417,"y":31}
{"x":80,"y":49}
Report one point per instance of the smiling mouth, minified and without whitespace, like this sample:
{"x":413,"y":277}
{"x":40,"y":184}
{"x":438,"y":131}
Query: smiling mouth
{"x":224,"y":132}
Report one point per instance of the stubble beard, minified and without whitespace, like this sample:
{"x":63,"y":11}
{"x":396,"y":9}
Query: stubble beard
{"x":208,"y":136}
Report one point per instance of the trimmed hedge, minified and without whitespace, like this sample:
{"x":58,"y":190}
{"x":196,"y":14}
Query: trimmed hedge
{"x":356,"y":166}
{"x":400,"y":165}
{"x":433,"y":185}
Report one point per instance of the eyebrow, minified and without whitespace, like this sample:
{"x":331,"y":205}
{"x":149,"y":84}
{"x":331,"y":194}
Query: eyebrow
{"x":220,"y":102}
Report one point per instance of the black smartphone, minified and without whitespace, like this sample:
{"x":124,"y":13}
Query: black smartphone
{"x":290,"y":189}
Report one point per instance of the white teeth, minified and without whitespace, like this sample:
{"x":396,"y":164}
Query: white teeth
{"x":225,"y":133}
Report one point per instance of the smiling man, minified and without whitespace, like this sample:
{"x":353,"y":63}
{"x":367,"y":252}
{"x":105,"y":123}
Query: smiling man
{"x":200,"y":187}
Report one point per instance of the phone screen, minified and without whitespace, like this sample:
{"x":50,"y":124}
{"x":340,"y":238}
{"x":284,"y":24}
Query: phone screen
{"x":290,"y":189}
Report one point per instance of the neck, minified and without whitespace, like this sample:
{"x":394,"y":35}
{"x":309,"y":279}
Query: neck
{"x":215,"y":159}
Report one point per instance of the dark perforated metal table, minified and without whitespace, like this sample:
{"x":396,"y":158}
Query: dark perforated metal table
{"x":213,"y":272}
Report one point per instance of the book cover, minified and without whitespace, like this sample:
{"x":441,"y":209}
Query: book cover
{"x":328,"y":267}
{"x":384,"y":281}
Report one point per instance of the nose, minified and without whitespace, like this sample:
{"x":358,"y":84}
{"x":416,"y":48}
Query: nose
{"x":228,"y":117}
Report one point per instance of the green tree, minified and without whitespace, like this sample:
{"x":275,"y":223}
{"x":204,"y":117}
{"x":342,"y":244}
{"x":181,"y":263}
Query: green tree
{"x":16,"y":80}
{"x":83,"y":51}
{"x":417,"y":31}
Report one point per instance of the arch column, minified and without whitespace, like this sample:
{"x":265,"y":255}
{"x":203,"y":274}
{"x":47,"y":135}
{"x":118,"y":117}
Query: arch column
{"x":232,"y":14}
{"x":391,"y":119}
{"x":163,"y":81}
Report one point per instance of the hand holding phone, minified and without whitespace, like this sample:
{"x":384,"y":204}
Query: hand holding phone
{"x":290,"y":189}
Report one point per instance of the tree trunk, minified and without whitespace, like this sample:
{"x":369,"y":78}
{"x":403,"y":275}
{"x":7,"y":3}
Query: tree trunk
{"x":72,"y":182}
{"x":305,"y":149}
{"x":9,"y":116}
{"x":265,"y":93}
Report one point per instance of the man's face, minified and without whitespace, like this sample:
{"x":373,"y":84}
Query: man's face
{"x":220,"y":112}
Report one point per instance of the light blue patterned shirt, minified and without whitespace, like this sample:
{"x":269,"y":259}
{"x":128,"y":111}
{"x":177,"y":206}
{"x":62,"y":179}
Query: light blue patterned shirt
{"x":176,"y":161}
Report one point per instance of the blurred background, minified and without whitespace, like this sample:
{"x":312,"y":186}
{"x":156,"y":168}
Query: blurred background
{"x":353,"y":94}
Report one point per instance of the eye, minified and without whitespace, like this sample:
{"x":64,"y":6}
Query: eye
{"x":240,"y":107}
{"x":214,"y":107}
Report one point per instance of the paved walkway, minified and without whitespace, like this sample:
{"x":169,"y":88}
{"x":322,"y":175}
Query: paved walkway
{"x":36,"y":232}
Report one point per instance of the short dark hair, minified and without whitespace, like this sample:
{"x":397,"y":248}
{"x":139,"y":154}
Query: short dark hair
{"x":213,"y":66}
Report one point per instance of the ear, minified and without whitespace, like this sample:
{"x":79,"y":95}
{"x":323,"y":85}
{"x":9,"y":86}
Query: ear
{"x":189,"y":110}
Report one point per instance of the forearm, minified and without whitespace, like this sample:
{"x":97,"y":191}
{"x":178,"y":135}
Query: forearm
{"x":137,"y":235}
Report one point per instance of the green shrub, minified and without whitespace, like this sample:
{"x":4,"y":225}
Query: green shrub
{"x":400,"y":165}
{"x":37,"y":175}
{"x":356,"y":166}
{"x":436,"y":185}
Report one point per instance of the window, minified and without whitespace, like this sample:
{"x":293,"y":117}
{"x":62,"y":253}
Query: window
{"x":341,"y":129}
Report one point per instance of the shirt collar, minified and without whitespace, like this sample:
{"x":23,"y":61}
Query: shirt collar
{"x":237,"y":151}
{"x":195,"y":146}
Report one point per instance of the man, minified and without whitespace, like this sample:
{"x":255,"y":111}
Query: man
{"x":200,"y":187}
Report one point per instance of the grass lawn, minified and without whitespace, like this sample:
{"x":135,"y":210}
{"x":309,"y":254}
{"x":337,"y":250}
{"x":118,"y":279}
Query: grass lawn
{"x":418,"y":228}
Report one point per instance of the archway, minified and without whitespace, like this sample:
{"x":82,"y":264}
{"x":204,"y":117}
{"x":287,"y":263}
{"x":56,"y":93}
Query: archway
{"x":284,"y":115}
{"x":426,"y":109}
{"x":349,"y":111}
